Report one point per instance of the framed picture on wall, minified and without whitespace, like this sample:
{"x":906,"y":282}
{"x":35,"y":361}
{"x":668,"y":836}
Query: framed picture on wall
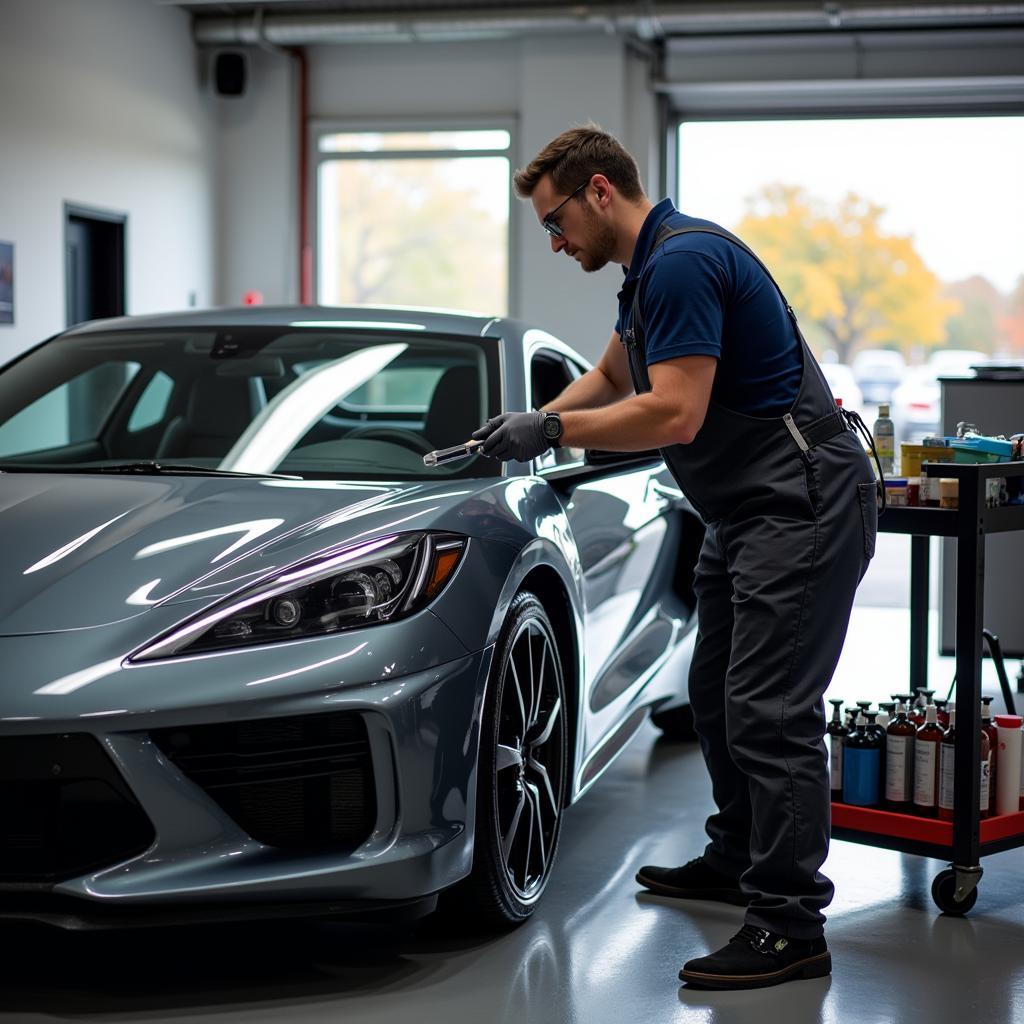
{"x":6,"y":283}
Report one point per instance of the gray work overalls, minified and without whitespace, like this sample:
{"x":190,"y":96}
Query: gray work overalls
{"x":790,"y":508}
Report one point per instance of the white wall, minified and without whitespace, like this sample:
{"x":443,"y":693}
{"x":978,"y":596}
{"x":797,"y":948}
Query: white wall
{"x":103,"y":107}
{"x":257,"y":218}
{"x":543,"y":84}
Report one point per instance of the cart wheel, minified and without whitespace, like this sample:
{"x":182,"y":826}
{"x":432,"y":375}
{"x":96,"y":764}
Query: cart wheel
{"x":944,"y":894}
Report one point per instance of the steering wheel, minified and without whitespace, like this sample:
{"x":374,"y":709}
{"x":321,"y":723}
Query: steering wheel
{"x":395,"y":435}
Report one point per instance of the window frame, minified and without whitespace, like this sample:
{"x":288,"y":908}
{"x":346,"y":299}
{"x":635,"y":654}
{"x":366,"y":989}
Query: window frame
{"x":537,"y":343}
{"x":319,"y":127}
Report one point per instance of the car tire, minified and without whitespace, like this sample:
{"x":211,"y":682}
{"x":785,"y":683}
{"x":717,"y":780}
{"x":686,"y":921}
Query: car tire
{"x":676,"y":724}
{"x":522,"y":773}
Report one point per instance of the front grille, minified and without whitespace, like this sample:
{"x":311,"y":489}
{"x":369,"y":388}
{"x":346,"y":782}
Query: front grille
{"x":65,"y":810}
{"x":304,"y":782}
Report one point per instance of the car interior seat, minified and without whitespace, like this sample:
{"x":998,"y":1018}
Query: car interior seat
{"x":454,"y":410}
{"x":216,"y":412}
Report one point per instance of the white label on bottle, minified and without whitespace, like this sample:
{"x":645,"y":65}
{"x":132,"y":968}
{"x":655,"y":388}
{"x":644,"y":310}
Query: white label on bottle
{"x":898,"y":781}
{"x":983,"y":799}
{"x":946,"y":761}
{"x":924,"y":774}
{"x":835,"y":747}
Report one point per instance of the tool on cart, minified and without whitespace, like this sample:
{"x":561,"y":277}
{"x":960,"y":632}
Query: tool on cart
{"x":443,"y":455}
{"x":995,"y":651}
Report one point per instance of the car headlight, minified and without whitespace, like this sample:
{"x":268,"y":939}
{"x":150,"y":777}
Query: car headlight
{"x":358,"y":586}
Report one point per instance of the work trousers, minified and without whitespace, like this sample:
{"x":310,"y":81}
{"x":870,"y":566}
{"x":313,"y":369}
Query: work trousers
{"x":774,"y":596}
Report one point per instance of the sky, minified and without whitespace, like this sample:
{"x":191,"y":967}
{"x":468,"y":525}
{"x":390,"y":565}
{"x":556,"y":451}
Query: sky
{"x":955,"y":184}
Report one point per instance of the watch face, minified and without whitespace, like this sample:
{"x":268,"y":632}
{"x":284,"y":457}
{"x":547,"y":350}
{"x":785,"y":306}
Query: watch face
{"x":552,"y":428}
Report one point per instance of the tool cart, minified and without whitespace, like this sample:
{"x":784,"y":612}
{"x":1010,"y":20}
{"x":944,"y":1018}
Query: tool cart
{"x":966,"y":839}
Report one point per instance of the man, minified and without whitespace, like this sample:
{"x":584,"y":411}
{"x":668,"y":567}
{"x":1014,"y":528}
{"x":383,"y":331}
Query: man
{"x":707,"y":363}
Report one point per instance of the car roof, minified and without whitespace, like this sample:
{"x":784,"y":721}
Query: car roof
{"x":879,"y":357}
{"x":345,"y":317}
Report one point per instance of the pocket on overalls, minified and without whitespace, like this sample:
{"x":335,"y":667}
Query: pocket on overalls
{"x":867,"y":495}
{"x":812,"y":482}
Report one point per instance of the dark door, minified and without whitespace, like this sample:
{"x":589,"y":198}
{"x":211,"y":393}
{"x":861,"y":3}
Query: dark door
{"x":94,"y":264}
{"x":94,"y":286}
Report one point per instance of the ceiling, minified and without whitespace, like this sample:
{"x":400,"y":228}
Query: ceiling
{"x":304,"y":22}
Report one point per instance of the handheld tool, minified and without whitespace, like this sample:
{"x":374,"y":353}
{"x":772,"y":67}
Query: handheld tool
{"x":443,"y":455}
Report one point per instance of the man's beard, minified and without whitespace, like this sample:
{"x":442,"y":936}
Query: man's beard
{"x":600,"y":248}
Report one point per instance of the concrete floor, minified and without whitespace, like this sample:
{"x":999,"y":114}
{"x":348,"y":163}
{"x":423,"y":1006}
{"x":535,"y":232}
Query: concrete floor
{"x":598,"y":951}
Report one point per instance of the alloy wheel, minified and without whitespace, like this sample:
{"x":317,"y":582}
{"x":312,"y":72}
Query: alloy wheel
{"x":529,"y":759}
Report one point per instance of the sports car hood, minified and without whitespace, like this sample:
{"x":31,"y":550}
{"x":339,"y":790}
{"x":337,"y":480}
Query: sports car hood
{"x":78,"y":551}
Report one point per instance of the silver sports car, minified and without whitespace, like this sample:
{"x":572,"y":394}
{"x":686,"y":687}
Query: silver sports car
{"x":257,"y":658}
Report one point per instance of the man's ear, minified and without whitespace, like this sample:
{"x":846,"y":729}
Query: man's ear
{"x":602,"y":189}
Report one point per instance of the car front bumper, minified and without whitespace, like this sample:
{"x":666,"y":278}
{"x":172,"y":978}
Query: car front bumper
{"x":422,"y":738}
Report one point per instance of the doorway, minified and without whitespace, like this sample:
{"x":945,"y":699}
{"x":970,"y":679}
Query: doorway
{"x":93,"y":264}
{"x":94,"y":290}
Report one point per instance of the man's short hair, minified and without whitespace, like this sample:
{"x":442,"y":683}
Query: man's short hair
{"x":574,"y":157}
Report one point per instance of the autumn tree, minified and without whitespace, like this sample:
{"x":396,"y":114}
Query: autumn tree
{"x":417,"y":232}
{"x":1011,"y":326}
{"x":982,"y":307}
{"x":852,"y":284}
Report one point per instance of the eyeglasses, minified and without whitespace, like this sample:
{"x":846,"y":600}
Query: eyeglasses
{"x":549,"y":224}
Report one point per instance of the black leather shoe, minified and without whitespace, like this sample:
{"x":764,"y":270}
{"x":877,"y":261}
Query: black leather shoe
{"x":755,"y":958}
{"x":693,"y":881}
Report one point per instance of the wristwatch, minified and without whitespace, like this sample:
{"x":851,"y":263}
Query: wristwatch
{"x":552,"y":428}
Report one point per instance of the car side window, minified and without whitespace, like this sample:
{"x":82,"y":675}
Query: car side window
{"x":152,"y":404}
{"x":550,"y":375}
{"x":73,"y":412}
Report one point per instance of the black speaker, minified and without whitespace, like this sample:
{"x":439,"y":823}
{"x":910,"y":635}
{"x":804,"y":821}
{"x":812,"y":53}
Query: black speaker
{"x":229,"y":73}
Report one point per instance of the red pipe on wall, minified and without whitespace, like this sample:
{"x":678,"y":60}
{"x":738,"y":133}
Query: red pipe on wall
{"x":305,"y":242}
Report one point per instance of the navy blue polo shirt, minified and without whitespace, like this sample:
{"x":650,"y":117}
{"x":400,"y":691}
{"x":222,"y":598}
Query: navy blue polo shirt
{"x":701,"y":294}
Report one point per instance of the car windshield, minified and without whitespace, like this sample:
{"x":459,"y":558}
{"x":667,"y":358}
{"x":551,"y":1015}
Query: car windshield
{"x":314,"y":403}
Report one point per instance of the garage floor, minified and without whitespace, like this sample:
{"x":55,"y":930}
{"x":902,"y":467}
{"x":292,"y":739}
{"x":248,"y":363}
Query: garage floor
{"x":597,"y":951}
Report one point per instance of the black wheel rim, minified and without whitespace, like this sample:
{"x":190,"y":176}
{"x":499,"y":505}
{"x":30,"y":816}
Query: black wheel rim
{"x":529,"y":759}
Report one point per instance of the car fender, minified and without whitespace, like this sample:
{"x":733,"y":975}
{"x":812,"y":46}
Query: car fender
{"x":535,"y":534}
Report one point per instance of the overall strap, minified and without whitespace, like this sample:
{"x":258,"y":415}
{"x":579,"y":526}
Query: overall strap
{"x":664,"y":233}
{"x":806,"y":437}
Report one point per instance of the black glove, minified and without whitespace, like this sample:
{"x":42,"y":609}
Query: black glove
{"x":513,"y":435}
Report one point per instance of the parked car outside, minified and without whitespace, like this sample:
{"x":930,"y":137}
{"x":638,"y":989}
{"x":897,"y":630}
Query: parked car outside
{"x":259,"y":659}
{"x":843,"y":385}
{"x":878,"y":371}
{"x":916,"y":403}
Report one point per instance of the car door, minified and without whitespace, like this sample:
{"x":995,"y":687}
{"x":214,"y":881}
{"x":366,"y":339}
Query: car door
{"x":622,"y":517}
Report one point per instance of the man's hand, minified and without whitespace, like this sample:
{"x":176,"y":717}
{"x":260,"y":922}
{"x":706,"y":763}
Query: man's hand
{"x":513,"y":435}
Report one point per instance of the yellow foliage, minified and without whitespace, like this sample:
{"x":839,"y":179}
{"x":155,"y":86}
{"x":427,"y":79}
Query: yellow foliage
{"x":852,"y":284}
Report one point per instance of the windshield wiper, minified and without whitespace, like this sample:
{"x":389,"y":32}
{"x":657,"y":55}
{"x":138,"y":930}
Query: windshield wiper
{"x":149,"y":468}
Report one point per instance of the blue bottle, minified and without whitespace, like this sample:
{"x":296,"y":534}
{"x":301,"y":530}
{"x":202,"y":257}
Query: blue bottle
{"x":862,"y":767}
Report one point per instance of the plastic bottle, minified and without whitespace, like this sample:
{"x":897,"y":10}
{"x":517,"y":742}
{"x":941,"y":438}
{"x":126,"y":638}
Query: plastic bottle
{"x":837,"y":732}
{"x":1020,"y":775}
{"x":877,"y":729}
{"x":926,"y":764}
{"x":942,"y":713}
{"x":947,"y":769}
{"x":1008,"y":764}
{"x":861,"y":767}
{"x":885,"y":716}
{"x":984,"y":780}
{"x":883,"y":433}
{"x":873,"y":727}
{"x":923,"y":699}
{"x":989,"y":728}
{"x":899,"y":762}
{"x":907,"y":699}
